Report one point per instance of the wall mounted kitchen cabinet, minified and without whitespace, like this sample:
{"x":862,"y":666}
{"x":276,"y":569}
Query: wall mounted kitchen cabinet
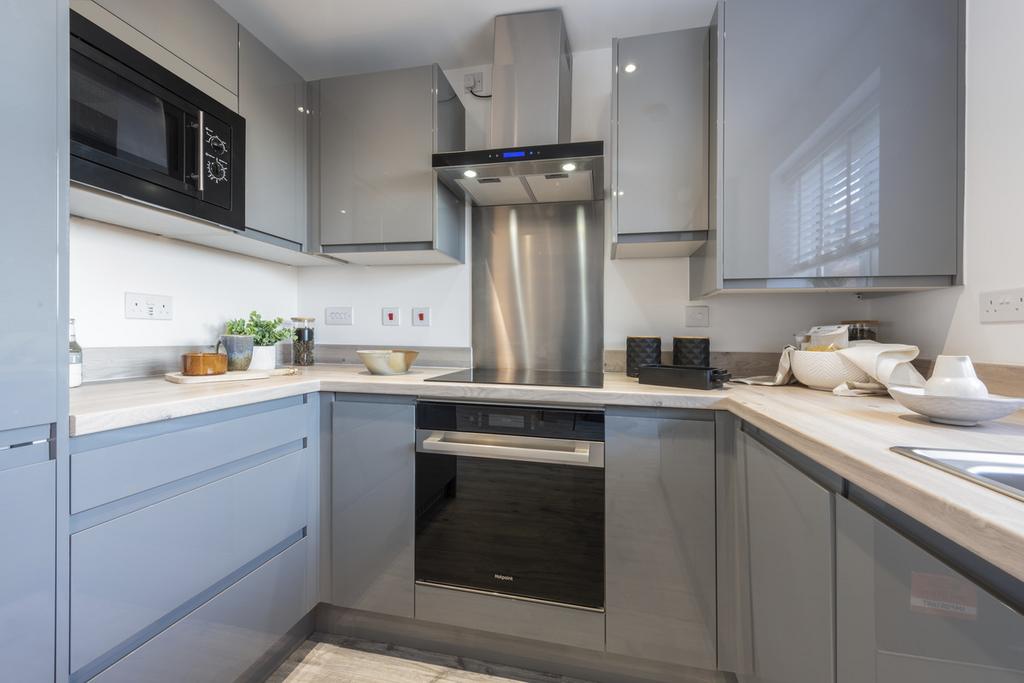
{"x":373,"y":501}
{"x":380,"y":201}
{"x":660,"y":535}
{"x":272,"y":98}
{"x":904,"y":615}
{"x":194,"y":39}
{"x":659,"y":144}
{"x":838,"y":145}
{"x":775,"y":568}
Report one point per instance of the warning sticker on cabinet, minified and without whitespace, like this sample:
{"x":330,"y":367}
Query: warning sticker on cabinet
{"x":943,"y":596}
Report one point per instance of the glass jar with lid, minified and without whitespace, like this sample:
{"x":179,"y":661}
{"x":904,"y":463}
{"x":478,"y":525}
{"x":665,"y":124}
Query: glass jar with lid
{"x":302,"y":344}
{"x":862,"y":330}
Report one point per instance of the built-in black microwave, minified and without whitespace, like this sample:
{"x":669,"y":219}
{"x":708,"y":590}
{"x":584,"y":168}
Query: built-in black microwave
{"x":142,"y":132}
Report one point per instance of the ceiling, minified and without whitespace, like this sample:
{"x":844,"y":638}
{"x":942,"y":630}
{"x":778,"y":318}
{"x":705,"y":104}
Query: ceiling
{"x":322,"y":38}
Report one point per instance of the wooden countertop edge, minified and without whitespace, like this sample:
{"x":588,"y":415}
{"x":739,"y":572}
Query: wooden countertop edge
{"x":984,"y":522}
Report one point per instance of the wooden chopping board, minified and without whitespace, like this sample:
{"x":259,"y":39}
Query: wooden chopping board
{"x":236,"y":376}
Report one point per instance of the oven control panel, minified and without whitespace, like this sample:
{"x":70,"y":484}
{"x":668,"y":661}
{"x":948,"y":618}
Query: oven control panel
{"x":552,"y":423}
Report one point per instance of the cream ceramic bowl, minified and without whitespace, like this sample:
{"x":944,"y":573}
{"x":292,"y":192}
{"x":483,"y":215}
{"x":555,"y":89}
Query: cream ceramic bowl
{"x":824,"y":370}
{"x":388,"y":361}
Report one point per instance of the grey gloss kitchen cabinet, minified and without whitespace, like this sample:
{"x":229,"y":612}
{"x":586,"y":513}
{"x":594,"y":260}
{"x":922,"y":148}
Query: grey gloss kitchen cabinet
{"x":660,"y":535}
{"x":659,"y":145}
{"x":380,"y":201}
{"x":272,"y":98}
{"x":840,"y":161}
{"x":902,"y":614}
{"x":776,"y":542}
{"x":373,"y":500}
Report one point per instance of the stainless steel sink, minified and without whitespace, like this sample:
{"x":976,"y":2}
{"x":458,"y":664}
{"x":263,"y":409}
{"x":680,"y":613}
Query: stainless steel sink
{"x":1002,"y":472}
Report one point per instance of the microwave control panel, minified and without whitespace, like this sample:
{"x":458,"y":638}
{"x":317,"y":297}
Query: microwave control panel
{"x":216,"y":163}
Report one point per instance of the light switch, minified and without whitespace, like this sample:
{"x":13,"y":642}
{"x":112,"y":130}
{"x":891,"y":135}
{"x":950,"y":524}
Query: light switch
{"x":421,"y":317}
{"x":390,"y":316}
{"x":698,"y":316}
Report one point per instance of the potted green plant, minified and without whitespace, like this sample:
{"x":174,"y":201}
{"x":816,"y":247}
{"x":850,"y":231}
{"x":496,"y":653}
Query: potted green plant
{"x":237,"y":345}
{"x":266,"y":333}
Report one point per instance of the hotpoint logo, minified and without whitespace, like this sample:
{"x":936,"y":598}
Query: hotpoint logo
{"x":504,"y":577}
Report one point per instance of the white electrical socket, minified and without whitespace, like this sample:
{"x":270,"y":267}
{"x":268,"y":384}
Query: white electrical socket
{"x":1002,"y":306}
{"x":338,"y":315}
{"x":148,"y":306}
{"x":698,"y":316}
{"x":421,"y":317}
{"x":391,"y":316}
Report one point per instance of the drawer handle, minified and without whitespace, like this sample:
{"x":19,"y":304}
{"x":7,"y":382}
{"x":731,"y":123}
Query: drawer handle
{"x":503,"y":447}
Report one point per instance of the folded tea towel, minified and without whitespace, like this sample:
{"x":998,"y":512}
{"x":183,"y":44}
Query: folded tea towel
{"x":887,"y":364}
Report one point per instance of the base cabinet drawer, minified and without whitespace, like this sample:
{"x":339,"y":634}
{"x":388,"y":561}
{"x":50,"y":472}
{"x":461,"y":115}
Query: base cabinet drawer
{"x":224,"y":638}
{"x":135,"y":572}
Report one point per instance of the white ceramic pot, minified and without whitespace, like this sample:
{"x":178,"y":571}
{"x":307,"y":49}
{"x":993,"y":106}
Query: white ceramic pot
{"x":955,"y":376}
{"x":263,"y":358}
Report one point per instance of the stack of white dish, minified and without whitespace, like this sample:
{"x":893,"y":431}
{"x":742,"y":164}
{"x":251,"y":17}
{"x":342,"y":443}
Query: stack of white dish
{"x":954,"y":395}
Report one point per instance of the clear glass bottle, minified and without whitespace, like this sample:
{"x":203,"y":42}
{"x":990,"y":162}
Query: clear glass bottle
{"x":302,"y":344}
{"x":74,"y":357}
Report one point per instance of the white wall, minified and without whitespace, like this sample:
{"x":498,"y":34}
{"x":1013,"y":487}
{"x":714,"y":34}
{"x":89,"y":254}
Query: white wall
{"x":946,"y":321}
{"x":208,"y":287}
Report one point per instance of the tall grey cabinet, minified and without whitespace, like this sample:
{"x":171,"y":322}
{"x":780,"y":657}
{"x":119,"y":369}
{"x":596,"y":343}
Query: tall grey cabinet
{"x":272,"y":98}
{"x":379,"y":199}
{"x":659,"y":143}
{"x":902,"y":614}
{"x":660,"y":535}
{"x":33,"y":338}
{"x":840,"y":156}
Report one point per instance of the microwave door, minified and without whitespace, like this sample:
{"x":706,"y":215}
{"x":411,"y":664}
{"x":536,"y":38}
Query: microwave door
{"x":123,"y":122}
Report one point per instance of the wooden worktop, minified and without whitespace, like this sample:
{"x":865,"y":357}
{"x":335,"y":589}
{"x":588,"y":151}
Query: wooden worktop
{"x":849,"y":435}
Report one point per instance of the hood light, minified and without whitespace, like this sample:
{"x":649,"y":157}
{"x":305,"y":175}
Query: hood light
{"x":569,"y":166}
{"x":469,"y":173}
{"x":629,"y":68}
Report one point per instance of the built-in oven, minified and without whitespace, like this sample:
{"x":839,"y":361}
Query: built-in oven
{"x":140,"y":131}
{"x":510,"y":501}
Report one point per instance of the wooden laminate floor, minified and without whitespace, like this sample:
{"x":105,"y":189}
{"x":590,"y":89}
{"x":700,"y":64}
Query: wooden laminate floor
{"x":336,"y":659}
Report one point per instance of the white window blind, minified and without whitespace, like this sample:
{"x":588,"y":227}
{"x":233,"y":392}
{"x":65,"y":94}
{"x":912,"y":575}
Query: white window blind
{"x":833,"y":211}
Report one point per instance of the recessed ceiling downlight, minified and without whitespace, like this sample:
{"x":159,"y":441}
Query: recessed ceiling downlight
{"x":629,"y":68}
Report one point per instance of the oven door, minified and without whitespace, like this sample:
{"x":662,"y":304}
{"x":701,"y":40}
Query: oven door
{"x":513,"y":515}
{"x":140,"y":131}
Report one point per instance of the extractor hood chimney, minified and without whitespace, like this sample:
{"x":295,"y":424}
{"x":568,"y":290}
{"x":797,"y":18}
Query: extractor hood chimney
{"x":531,"y":81}
{"x":530,"y":159}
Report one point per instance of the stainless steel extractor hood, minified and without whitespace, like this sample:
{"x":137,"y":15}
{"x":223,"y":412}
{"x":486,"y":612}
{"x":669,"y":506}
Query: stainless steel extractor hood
{"x":530,"y":160}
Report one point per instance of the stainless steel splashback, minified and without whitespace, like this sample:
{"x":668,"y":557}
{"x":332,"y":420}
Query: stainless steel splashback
{"x":538,"y":287}
{"x":531,"y":81}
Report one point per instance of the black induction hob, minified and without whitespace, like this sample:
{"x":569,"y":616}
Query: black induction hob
{"x":543,"y":378}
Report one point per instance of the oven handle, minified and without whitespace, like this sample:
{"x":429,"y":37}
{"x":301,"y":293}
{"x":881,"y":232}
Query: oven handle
{"x":505,"y":447}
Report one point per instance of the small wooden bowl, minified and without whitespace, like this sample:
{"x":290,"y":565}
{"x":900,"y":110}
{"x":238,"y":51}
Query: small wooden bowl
{"x":202,"y":364}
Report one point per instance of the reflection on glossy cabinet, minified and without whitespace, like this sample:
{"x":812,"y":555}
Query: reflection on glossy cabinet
{"x":272,"y":98}
{"x":378,"y":191}
{"x":373,"y":504}
{"x":660,"y":133}
{"x":791,"y":576}
{"x":842,"y":125}
{"x":903,"y":615}
{"x":660,"y":536}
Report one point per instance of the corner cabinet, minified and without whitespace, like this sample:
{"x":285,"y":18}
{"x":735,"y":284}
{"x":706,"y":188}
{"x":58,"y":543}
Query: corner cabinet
{"x":776,"y":572}
{"x":373,"y":504}
{"x":272,"y":98}
{"x":659,"y":144}
{"x":660,"y":535}
{"x":905,"y":615}
{"x":839,"y":152}
{"x":380,"y":201}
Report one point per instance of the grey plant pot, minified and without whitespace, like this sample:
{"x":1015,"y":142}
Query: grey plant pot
{"x":239,"y":350}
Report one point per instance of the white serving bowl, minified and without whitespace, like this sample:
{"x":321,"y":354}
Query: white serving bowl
{"x":955,"y":410}
{"x":388,"y":361}
{"x":824,"y":370}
